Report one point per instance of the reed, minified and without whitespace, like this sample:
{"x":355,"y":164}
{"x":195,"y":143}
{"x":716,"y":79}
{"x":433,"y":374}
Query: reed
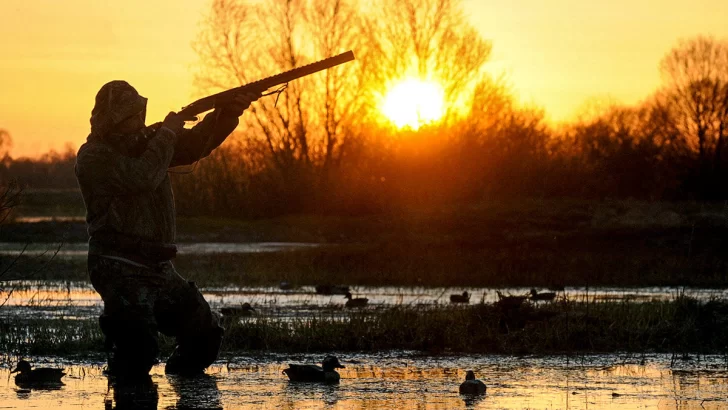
{"x":679,"y":326}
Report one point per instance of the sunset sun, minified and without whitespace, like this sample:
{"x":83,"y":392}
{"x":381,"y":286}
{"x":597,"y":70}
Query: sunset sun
{"x":413,"y":103}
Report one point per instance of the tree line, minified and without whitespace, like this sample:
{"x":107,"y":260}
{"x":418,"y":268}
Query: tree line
{"x":324,"y":146}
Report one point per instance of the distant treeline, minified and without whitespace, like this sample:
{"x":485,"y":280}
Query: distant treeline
{"x":625,"y":152}
{"x":52,"y":170}
{"x":324,"y":148}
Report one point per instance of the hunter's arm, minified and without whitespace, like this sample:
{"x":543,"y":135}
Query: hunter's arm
{"x":111,"y":173}
{"x":199,"y":141}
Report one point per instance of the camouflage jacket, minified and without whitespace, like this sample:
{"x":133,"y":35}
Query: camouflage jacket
{"x":132,"y":195}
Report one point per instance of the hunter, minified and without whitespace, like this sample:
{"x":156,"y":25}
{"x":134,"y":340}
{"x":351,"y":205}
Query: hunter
{"x":130,"y":215}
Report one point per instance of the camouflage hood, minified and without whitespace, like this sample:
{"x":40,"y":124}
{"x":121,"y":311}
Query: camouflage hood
{"x":116,"y":101}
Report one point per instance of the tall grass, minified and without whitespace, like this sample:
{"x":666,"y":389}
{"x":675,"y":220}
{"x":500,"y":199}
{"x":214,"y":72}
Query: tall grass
{"x":682,"y":325}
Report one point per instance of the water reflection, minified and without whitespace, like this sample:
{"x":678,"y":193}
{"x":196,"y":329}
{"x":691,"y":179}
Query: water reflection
{"x":139,"y":394}
{"x":398,"y":380}
{"x":199,"y":392}
{"x":80,"y":249}
{"x":78,"y":300}
{"x":472,"y":401}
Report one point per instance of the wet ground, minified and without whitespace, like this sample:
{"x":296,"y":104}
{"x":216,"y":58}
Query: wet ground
{"x":399,"y":380}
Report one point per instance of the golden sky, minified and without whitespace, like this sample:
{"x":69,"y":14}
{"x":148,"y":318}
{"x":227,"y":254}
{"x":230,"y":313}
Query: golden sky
{"x":557,"y":53}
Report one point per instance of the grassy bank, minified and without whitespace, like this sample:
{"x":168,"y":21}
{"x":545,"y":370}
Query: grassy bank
{"x":679,"y":326}
{"x":504,"y":243}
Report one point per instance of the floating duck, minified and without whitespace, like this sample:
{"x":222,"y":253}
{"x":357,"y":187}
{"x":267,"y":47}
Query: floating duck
{"x":332,"y":289}
{"x":548,"y":296}
{"x":326,"y":373}
{"x":471,"y":385}
{"x":354,"y":303}
{"x":233,"y":311}
{"x":39,"y":376}
{"x":464,"y":298}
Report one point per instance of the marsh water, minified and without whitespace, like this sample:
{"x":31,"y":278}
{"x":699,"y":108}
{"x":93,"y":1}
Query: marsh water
{"x":393,"y":380}
{"x":399,"y":380}
{"x":369,"y":381}
{"x":78,"y":300}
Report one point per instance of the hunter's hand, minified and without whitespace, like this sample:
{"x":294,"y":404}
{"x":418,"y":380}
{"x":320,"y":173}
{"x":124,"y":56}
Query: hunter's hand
{"x":174,"y":122}
{"x":241,"y":103}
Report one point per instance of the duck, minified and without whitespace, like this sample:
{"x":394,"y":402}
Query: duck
{"x":326,"y":373}
{"x":354,"y":303}
{"x":509,"y":301}
{"x":464,"y":298}
{"x":332,"y":289}
{"x":39,"y":376}
{"x":233,"y":311}
{"x":471,"y":385}
{"x":547,"y":296}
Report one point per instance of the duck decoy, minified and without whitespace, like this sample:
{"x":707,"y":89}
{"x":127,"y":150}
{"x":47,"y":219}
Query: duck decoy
{"x":509,"y":301}
{"x":354,"y":303}
{"x":332,"y":289}
{"x":326,"y":373}
{"x":464,"y":298}
{"x":233,"y":311}
{"x":471,"y":385}
{"x":36,"y":377}
{"x":547,"y":296}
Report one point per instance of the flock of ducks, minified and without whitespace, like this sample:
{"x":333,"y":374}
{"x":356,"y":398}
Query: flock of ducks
{"x":44,"y":378}
{"x":508,"y":301}
{"x":326,"y":373}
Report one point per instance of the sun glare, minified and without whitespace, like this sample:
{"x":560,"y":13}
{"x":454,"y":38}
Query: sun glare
{"x":414,"y":103}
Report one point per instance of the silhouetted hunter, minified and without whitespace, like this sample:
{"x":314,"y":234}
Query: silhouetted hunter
{"x":131,"y":223}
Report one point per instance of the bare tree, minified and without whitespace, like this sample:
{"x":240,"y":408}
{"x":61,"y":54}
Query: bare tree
{"x":5,"y":142}
{"x":696,"y":73}
{"x":428,"y":39}
{"x":304,"y":128}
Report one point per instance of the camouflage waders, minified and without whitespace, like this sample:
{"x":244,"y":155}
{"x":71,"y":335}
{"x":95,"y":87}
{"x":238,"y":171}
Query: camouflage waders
{"x":141,"y":301}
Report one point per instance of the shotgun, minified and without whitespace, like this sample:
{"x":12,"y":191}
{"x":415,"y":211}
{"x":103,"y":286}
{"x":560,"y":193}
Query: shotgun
{"x":227,"y":96}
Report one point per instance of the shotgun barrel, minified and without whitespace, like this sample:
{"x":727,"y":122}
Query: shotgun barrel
{"x":224,"y":97}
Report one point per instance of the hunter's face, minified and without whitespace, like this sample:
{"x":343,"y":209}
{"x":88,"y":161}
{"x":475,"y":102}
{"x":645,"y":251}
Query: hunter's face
{"x":131,"y":124}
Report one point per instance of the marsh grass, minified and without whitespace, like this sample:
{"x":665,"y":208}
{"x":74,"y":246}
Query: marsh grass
{"x":498,"y":243}
{"x":682,"y":325}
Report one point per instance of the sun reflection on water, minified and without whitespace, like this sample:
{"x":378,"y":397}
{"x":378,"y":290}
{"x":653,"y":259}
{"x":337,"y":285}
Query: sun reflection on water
{"x":396,"y":381}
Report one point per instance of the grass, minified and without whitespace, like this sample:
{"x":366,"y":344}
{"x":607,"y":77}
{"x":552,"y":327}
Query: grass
{"x":682,"y":325}
{"x":498,"y":243}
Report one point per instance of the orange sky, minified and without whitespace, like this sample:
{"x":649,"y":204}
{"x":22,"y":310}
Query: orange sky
{"x":558,"y":54}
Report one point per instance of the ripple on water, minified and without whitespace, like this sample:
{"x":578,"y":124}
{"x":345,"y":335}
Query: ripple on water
{"x":395,"y":380}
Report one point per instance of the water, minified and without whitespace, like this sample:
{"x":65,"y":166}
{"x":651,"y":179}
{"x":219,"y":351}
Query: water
{"x":401,"y":380}
{"x":78,"y":300}
{"x":80,"y":249}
